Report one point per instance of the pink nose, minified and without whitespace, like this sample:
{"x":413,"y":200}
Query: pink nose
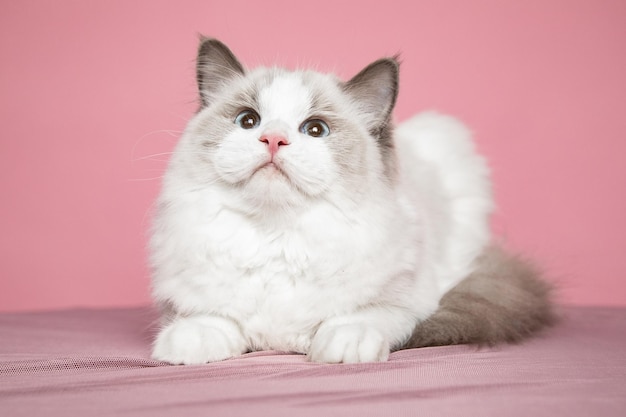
{"x":273,"y":142}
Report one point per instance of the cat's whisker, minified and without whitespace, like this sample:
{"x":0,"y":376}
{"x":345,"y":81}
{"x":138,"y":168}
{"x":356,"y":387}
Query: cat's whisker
{"x":154,"y":156}
{"x":159,"y":177}
{"x":174,"y":134}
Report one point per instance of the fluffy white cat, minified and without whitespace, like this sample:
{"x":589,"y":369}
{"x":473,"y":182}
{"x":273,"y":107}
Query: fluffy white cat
{"x":295,"y":217}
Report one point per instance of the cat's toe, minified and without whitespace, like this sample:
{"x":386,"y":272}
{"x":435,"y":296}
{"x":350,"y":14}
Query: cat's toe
{"x":353,"y":343}
{"x":198,"y":340}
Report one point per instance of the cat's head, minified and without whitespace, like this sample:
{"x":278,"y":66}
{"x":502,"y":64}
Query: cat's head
{"x":281,"y":138}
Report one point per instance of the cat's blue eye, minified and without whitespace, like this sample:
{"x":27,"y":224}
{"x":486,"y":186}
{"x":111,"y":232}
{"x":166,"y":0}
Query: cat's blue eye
{"x":316,"y":128}
{"x":248,"y":119}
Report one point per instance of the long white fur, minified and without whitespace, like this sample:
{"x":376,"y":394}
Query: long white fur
{"x":247,"y":263}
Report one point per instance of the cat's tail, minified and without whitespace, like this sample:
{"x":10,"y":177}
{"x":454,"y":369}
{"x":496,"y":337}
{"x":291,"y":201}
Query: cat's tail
{"x":503,"y":300}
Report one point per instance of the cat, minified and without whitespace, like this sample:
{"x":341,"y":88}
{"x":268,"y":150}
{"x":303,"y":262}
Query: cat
{"x":295,"y":217}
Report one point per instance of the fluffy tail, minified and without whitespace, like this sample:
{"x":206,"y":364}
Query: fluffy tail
{"x":503,"y":300}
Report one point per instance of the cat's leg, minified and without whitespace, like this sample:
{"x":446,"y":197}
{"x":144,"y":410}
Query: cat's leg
{"x":366,"y":336}
{"x":198,"y":339}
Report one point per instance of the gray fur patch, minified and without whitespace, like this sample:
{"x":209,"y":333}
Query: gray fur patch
{"x":376,"y":89}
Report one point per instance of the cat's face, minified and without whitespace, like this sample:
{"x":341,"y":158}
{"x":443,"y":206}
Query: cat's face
{"x":281,"y":138}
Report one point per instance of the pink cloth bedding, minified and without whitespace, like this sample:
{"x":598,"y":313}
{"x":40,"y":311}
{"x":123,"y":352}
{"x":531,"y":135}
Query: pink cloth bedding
{"x":96,"y":362}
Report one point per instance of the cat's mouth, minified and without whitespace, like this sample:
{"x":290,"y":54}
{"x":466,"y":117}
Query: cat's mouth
{"x":270,"y":168}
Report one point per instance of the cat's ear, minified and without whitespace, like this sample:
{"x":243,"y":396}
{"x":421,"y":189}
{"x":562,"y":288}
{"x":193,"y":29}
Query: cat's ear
{"x":216,"y":66}
{"x":375,"y":90}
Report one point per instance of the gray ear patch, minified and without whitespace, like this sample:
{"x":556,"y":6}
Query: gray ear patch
{"x":375,"y":90}
{"x":216,"y":66}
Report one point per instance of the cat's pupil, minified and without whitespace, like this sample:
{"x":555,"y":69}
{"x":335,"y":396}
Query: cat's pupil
{"x":315,"y":130}
{"x":248,"y":122}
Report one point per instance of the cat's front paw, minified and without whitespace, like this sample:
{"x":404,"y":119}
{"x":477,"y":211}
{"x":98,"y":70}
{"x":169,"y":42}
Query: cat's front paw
{"x":349,"y":343}
{"x":196,"y":340}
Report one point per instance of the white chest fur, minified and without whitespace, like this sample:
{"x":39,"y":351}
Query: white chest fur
{"x":280,"y":282}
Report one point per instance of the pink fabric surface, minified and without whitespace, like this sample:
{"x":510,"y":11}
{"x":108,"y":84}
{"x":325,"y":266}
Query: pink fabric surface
{"x":96,"y":362}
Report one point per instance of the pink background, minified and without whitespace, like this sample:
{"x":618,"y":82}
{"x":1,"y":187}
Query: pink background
{"x":94,"y":94}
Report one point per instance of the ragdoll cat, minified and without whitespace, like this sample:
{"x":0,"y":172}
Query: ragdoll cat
{"x":294,"y":217}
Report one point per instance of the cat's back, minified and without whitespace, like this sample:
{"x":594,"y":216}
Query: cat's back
{"x":449,"y":182}
{"x":446,"y":144}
